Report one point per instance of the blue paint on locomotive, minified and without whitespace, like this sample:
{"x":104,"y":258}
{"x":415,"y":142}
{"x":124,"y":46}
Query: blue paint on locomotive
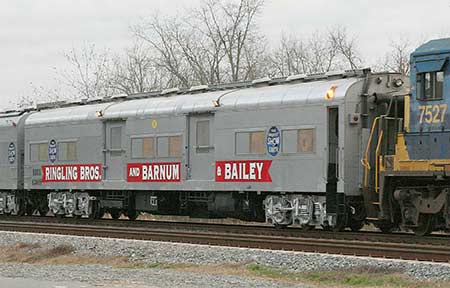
{"x":429,"y":128}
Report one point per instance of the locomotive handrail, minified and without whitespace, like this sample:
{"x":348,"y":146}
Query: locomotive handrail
{"x":377,"y":161}
{"x":365,"y":161}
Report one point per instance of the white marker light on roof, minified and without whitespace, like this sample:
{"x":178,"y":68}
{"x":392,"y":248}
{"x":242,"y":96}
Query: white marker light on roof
{"x":330,"y":93}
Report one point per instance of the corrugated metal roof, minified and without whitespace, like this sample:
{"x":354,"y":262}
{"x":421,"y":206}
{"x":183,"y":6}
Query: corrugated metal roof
{"x":248,"y":98}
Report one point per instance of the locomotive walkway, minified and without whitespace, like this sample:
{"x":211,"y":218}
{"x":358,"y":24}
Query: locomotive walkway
{"x":373,"y":244}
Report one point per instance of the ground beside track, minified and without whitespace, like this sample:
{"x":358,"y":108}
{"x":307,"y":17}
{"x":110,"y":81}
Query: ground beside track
{"x":108,"y":262}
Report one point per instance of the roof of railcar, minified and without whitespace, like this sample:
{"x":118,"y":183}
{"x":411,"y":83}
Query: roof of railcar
{"x":253,"y":95}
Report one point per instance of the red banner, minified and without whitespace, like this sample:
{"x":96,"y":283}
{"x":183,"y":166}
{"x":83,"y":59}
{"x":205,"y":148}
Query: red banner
{"x":72,"y":173}
{"x":154,"y":172}
{"x":243,"y":171}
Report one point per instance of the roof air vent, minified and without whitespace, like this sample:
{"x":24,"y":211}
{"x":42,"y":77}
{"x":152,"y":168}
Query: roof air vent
{"x":259,"y":81}
{"x":335,"y":73}
{"x":167,"y":92}
{"x":296,"y":77}
{"x":198,"y":88}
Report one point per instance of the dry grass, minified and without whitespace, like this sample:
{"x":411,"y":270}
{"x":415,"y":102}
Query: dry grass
{"x":355,"y":277}
{"x":59,"y":255}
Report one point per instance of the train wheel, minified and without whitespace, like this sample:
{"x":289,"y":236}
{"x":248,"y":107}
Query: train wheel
{"x":115,"y":214}
{"x":43,"y":211}
{"x":341,"y":223}
{"x":132,"y":215}
{"x":385,"y":227}
{"x":425,"y":225}
{"x":355,"y":226}
{"x":29,"y":210}
{"x":280,"y":226}
{"x":307,"y":228}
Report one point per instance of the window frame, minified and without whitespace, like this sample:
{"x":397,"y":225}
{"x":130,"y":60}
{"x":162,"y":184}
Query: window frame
{"x":155,"y":138}
{"x":297,"y":129}
{"x":421,"y":87}
{"x":38,"y":143}
{"x":65,"y":141}
{"x":142,"y":137}
{"x":250,"y":132}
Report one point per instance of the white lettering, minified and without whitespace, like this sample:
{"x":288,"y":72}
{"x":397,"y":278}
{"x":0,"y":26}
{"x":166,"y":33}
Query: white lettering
{"x":259,"y":169}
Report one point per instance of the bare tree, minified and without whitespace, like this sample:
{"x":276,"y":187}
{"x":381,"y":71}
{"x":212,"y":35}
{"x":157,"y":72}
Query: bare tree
{"x":397,"y":59}
{"x":233,"y":26}
{"x":318,"y":53}
{"x":345,"y":46}
{"x":136,"y":72}
{"x":219,"y":42}
{"x":88,"y":72}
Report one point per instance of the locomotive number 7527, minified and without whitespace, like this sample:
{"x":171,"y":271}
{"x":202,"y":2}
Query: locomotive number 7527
{"x":432,"y":113}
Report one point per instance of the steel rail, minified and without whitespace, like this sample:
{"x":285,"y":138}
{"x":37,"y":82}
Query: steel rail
{"x":407,"y":251}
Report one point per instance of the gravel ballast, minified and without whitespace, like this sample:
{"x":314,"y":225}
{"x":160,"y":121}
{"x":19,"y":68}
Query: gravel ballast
{"x":161,"y":252}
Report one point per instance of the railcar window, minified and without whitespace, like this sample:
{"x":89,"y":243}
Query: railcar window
{"x":298,"y":141}
{"x":67,"y":151}
{"x":148,"y":147}
{"x":203,"y":133}
{"x":143,"y":147}
{"x":136,"y":148}
{"x":39,"y":152}
{"x":163,"y":146}
{"x":175,"y":146}
{"x":289,"y":141}
{"x":257,"y":143}
{"x":116,"y":138}
{"x":250,"y":142}
{"x":430,"y":86}
{"x":306,"y":141}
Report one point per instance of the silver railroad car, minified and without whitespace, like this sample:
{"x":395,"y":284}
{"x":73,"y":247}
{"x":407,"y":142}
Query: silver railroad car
{"x":11,"y":161}
{"x":285,"y":151}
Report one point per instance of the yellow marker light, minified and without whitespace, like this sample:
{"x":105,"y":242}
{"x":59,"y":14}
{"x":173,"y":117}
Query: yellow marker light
{"x":154,"y":123}
{"x":330,"y":93}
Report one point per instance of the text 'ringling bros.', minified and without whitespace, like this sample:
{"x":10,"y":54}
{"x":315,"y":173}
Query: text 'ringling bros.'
{"x":72,"y":173}
{"x":154,"y":172}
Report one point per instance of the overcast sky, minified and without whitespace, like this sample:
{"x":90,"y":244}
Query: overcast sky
{"x":34,"y":33}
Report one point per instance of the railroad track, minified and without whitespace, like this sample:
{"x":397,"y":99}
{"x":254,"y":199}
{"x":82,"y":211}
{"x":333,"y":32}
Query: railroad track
{"x":435,"y":248}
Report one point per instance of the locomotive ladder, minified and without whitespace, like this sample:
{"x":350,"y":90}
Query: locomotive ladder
{"x":378,"y":127}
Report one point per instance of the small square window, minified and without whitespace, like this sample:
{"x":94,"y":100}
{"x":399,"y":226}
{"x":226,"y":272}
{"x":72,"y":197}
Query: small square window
{"x":163,"y":147}
{"x":148,"y":147}
{"x":67,"y":151}
{"x":203,"y":134}
{"x":306,"y":141}
{"x":257,"y":143}
{"x":430,"y":85}
{"x":116,"y":138}
{"x":250,"y":143}
{"x":175,"y":146}
{"x":136,"y":148}
{"x":39,"y":152}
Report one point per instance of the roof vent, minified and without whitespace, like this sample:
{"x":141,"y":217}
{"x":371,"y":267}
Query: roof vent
{"x":167,"y":92}
{"x":296,"y":77}
{"x":118,"y":96}
{"x":198,"y":88}
{"x":335,"y":73}
{"x":94,"y":100}
{"x":261,"y":81}
{"x":316,"y":76}
{"x":50,"y":105}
